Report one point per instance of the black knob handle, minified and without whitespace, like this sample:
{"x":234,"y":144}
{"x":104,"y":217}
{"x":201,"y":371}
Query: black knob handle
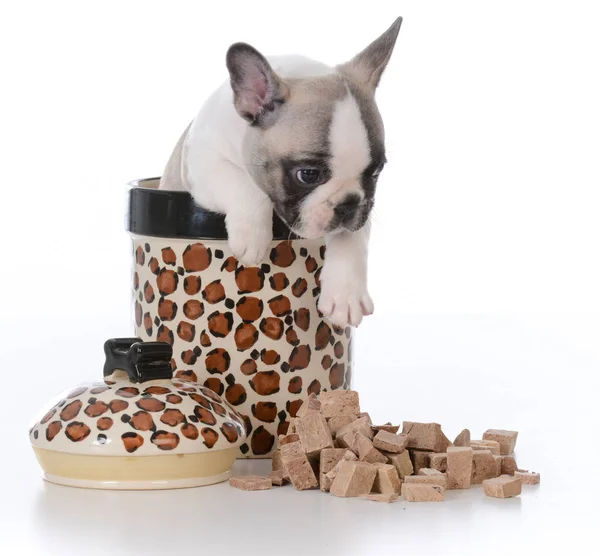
{"x":142,"y":361}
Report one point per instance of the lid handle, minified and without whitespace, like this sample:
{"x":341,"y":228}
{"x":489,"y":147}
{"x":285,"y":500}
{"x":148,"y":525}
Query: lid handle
{"x":142,"y":361}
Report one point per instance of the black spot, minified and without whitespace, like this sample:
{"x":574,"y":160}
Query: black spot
{"x":244,"y":448}
{"x":229,"y":303}
{"x":92,"y":401}
{"x":182,"y":393}
{"x":35,"y":434}
{"x":282,"y":415}
{"x":156,"y":321}
{"x":316,"y":292}
{"x":180,"y":271}
{"x":193,"y":418}
{"x":218,"y":254}
{"x":303,"y":251}
{"x":125,"y":418}
{"x":141,"y":296}
{"x":289,"y":320}
{"x":230,"y":379}
{"x":197,"y":351}
{"x":322,"y":251}
{"x":331,"y":340}
{"x":255,"y":354}
{"x":266,"y":268}
{"x":285,"y":367}
{"x":101,"y":439}
{"x":147,"y":247}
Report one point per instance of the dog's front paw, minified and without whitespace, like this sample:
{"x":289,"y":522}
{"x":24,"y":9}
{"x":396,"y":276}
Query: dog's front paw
{"x":344,"y":303}
{"x":249,"y":239}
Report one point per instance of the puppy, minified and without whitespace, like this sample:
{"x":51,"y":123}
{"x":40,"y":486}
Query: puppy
{"x":300,"y":138}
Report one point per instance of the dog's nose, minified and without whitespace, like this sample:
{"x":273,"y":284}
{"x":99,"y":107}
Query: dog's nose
{"x":347,"y":207}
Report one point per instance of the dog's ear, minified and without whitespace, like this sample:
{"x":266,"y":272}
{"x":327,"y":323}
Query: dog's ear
{"x":367,"y":66}
{"x":258,"y":91}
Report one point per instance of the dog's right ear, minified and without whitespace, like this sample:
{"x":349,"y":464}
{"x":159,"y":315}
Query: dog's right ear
{"x":258,"y":91}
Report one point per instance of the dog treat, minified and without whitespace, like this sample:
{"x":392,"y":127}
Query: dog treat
{"x":339,"y":402}
{"x":388,"y":427}
{"x":506,"y":439}
{"x":427,"y":479}
{"x":422,"y":492}
{"x":527,"y":477}
{"x":250,"y":482}
{"x":484,"y":466}
{"x":362,"y":424}
{"x":390,"y":442}
{"x":277,"y":478}
{"x":429,"y":472}
{"x":331,"y":475}
{"x":353,"y":479}
{"x":311,"y":404}
{"x":463,"y":439}
{"x":439,"y":462}
{"x":276,"y":463}
{"x":366,"y":451}
{"x":425,"y":436}
{"x":420,"y":459}
{"x":509,"y":465}
{"x":401,"y":462}
{"x":336,"y":423}
{"x":288,"y":439}
{"x":297,"y":466}
{"x":292,"y":427}
{"x":330,"y":457}
{"x":491,"y":445}
{"x":460,"y":460}
{"x":387,"y":498}
{"x":498,"y":460}
{"x":504,"y":486}
{"x":387,"y":480}
{"x":314,"y":433}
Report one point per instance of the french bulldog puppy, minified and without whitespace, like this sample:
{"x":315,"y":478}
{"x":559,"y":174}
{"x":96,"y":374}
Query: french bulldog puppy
{"x":306,"y":140}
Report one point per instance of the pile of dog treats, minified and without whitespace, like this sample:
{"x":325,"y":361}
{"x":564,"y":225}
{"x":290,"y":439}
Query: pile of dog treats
{"x":330,"y":444}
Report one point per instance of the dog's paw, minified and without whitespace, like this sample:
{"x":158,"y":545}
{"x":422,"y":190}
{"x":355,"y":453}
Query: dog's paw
{"x":248,"y":239}
{"x":344,"y":303}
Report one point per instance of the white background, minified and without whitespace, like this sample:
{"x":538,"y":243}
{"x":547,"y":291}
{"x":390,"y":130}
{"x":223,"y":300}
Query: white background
{"x":485,"y":265}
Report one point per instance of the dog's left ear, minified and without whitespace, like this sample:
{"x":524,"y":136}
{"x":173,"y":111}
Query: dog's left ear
{"x":367,"y":66}
{"x":257,"y":90}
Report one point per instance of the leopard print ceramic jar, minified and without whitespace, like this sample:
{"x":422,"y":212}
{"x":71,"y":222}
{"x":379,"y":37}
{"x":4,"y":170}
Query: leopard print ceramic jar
{"x":251,"y":334}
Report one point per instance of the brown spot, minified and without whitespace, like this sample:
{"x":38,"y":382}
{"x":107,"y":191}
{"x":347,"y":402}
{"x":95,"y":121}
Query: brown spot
{"x":189,"y":431}
{"x":188,"y":357}
{"x":165,"y":334}
{"x":311,"y":264}
{"x":132,"y":441}
{"x":248,"y":367}
{"x":140,"y":256}
{"x":245,"y":336}
{"x":76,"y":392}
{"x":136,"y":281}
{"x":215,"y":385}
{"x":148,"y":292}
{"x":265,"y":383}
{"x":318,"y":277}
{"x":219,"y":409}
{"x":204,"y":415}
{"x":192,"y":285}
{"x":230,"y":264}
{"x":283,"y":254}
{"x":299,"y":287}
{"x":71,"y":410}
{"x":280,"y":306}
{"x":338,"y":350}
{"x":142,"y":421}
{"x":230,"y":432}
{"x":196,"y":257}
{"x":214,"y":292}
{"x":200,"y":399}
{"x":174,"y":398}
{"x":148,"y":324}
{"x":299,"y":358}
{"x":249,"y":308}
{"x":293,"y":407}
{"x":235,"y":394}
{"x":48,"y":416}
{"x":322,"y":336}
{"x":336,"y":376}
{"x":96,"y":409}
{"x":210,"y":436}
{"x":265,"y":411}
{"x":77,"y":431}
{"x":326,"y":361}
{"x":165,"y":440}
{"x":186,"y":331}
{"x":157,"y":390}
{"x":168,"y":256}
{"x":295,"y":385}
{"x":322,"y":251}
{"x":262,"y":441}
{"x":127,"y":392}
{"x":282,"y":428}
{"x":279,"y":281}
{"x":52,"y":430}
{"x":217,"y":361}
{"x":269,"y":356}
{"x":314,"y":388}
{"x":220,"y":324}
{"x":154,"y":266}
{"x":172,"y":417}
{"x":138,"y":314}
{"x":167,"y":281}
{"x":187,"y":375}
{"x":272,"y":327}
{"x":302,"y":318}
{"x":118,"y":405}
{"x":205,"y":339}
{"x":193,"y":309}
{"x":150,"y":404}
{"x":167,"y":309}
{"x":291,"y":337}
{"x":251,"y":279}
{"x":104,"y":423}
{"x":99,"y":389}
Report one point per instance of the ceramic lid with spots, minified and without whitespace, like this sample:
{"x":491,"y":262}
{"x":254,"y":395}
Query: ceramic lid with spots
{"x":117,"y":417}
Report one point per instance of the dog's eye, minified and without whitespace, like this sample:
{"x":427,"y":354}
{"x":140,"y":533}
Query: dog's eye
{"x":311,"y":176}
